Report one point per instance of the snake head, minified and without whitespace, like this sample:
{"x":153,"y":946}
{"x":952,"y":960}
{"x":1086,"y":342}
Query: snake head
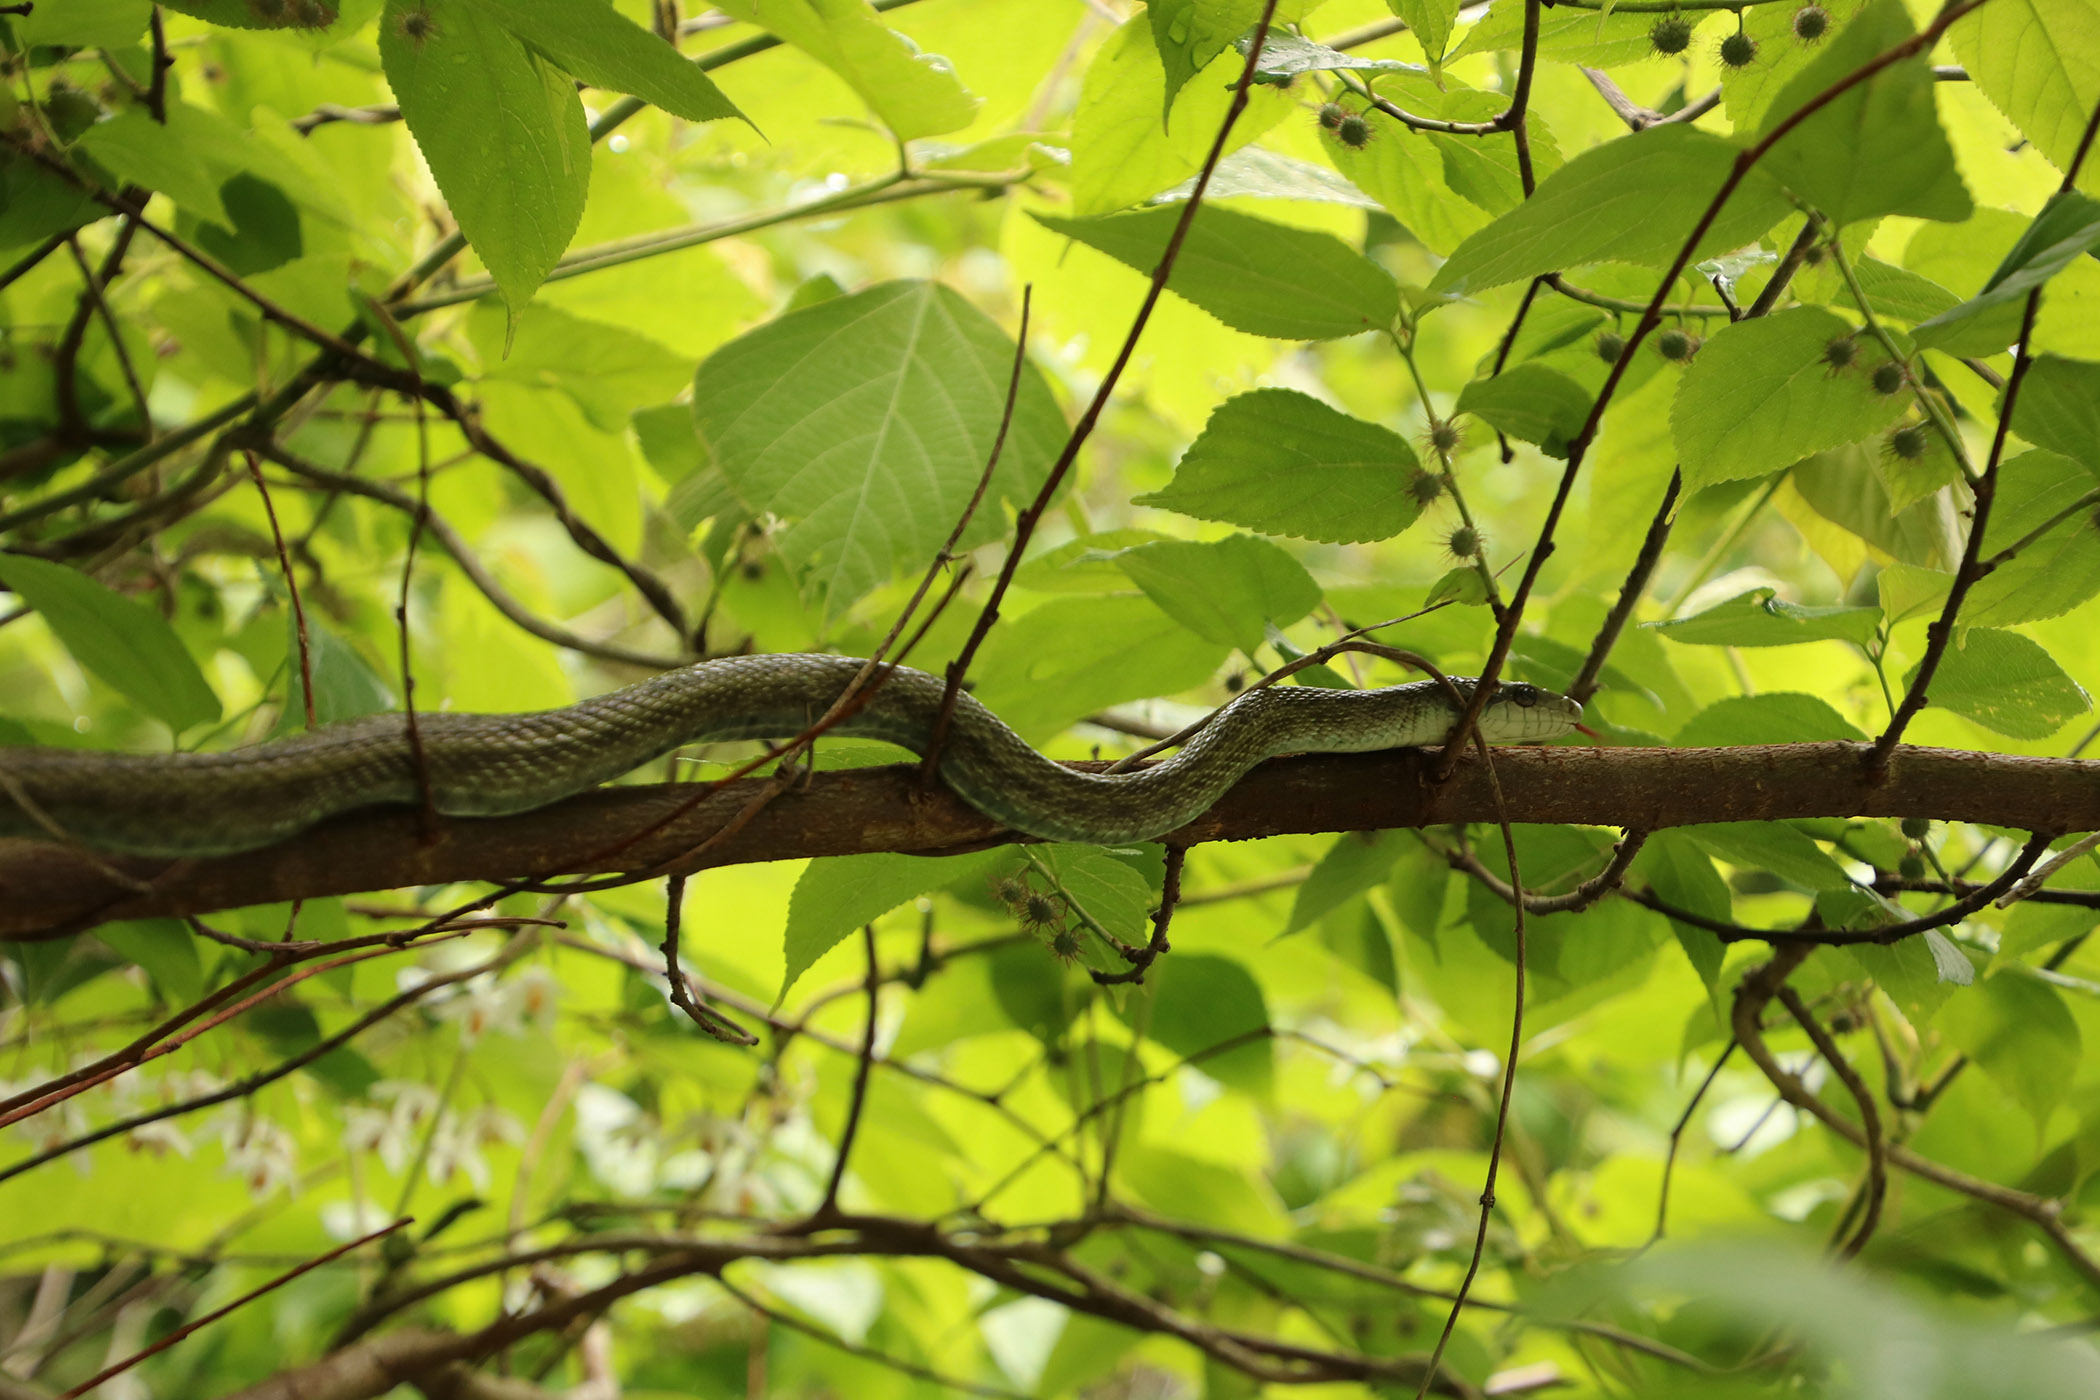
{"x":1524,"y":713}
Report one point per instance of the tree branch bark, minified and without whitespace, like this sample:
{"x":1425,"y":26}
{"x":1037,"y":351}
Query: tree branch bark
{"x":50,"y":890}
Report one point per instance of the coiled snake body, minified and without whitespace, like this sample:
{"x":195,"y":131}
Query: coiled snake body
{"x":199,"y":804}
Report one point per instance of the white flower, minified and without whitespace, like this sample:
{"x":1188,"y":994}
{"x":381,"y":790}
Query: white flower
{"x":264,"y":1159}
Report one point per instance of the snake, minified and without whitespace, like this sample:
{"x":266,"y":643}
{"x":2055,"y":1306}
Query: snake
{"x":485,"y":765}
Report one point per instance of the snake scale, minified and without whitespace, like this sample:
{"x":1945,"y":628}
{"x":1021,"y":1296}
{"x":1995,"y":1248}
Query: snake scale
{"x":203,"y":804}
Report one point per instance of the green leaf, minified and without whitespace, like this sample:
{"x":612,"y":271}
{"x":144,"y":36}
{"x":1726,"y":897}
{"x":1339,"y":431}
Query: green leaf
{"x":914,"y":94}
{"x":1201,"y":1001}
{"x":1770,"y":846}
{"x":606,"y":371}
{"x":1907,"y":971}
{"x":2059,"y":408}
{"x":1122,"y":152}
{"x":2006,"y":683}
{"x":1462,"y":585}
{"x":502,"y":130}
{"x":312,"y":15}
{"x":1256,"y":173}
{"x":1683,"y":875}
{"x":1228,"y":591}
{"x":1776,"y":717}
{"x":344,"y":686}
{"x":1845,"y":487}
{"x":1633,"y":200}
{"x":1907,"y":591}
{"x":1406,"y":176}
{"x":1283,"y":462}
{"x":1112,"y":891}
{"x":2068,"y":226}
{"x":1190,"y":33}
{"x":1760,"y":397}
{"x":1877,"y":147}
{"x":1532,"y":403}
{"x":121,"y":640}
{"x":1071,"y":656}
{"x":604,"y":48}
{"x":2059,"y":570}
{"x":1356,"y":862}
{"x":866,"y":421}
{"x":1759,"y":619}
{"x":2017,"y":1028}
{"x":1285,"y":55}
{"x":1898,"y":294}
{"x":838,"y":894}
{"x":166,"y":949}
{"x":162,"y":157}
{"x":1430,"y":21}
{"x":2034,"y":60}
{"x":36,"y":203}
{"x":1255,"y":276}
{"x":109,"y":24}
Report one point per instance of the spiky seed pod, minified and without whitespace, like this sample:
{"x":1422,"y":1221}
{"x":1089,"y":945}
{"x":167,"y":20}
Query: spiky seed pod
{"x":1354,"y":131}
{"x":1010,"y":890}
{"x":1610,"y":345}
{"x":1917,"y":828}
{"x":1463,"y":543}
{"x":1841,"y":353}
{"x":1444,"y":436}
{"x":1908,"y":443}
{"x":1813,"y":255}
{"x":1041,"y":910}
{"x":1672,"y":34}
{"x":1331,"y":114}
{"x":1065,"y":945}
{"x":1425,"y":487}
{"x":1738,"y":50}
{"x":1675,"y":344}
{"x":1811,"y":23}
{"x":1888,"y":377}
{"x":1911,"y":868}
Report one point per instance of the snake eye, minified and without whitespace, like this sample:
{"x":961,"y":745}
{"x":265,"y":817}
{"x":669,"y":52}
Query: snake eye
{"x":1522,"y":694}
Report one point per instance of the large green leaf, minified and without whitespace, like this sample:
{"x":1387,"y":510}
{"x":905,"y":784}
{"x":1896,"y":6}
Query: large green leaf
{"x":121,"y":640}
{"x":606,"y":49}
{"x":2059,"y":408}
{"x":914,"y":94}
{"x":2006,"y":683}
{"x":1356,"y":862}
{"x":1228,"y":591}
{"x":605,"y":370}
{"x":1633,"y":200}
{"x":866,"y":421}
{"x":1123,"y":152}
{"x":1201,"y":1001}
{"x":1759,"y":619}
{"x":1283,"y":462}
{"x":1190,"y":33}
{"x":501,"y":128}
{"x":2059,"y":570}
{"x":2018,"y":1029}
{"x":91,"y":23}
{"x":838,"y":894}
{"x":1776,"y":717}
{"x":1071,"y":656}
{"x":1430,"y":21}
{"x":1770,"y":846}
{"x":2069,"y":225}
{"x":1877,"y":147}
{"x":1406,"y":175}
{"x":2036,"y":61}
{"x":1760,"y":397}
{"x":1255,"y":276}
{"x":1532,"y":403}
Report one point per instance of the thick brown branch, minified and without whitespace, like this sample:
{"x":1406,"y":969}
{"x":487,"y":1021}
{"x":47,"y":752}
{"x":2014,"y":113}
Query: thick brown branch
{"x":49,"y":888}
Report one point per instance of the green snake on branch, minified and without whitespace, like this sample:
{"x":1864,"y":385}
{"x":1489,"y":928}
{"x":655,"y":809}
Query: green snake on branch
{"x":203,"y":804}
